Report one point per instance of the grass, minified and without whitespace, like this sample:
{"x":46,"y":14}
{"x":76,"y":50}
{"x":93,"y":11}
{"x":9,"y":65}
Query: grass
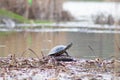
{"x":12,"y":15}
{"x":19,"y":18}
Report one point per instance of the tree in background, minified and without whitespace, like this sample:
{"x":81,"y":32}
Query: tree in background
{"x":37,"y":9}
{"x":113,"y":0}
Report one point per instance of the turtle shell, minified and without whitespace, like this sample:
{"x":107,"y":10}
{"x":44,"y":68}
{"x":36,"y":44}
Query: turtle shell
{"x":60,"y":49}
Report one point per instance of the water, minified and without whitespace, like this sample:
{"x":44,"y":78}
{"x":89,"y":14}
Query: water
{"x":102,"y":44}
{"x":18,"y":42}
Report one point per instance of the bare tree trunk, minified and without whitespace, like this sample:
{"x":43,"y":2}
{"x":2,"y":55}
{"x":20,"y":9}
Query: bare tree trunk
{"x":26,"y":14}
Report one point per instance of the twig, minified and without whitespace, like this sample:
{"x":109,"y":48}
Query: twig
{"x":42,"y":55}
{"x":34,"y":53}
{"x":92,"y":50}
{"x":24,"y":52}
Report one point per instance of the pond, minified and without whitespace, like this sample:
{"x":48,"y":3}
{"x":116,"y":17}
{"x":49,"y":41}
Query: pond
{"x":85,"y":45}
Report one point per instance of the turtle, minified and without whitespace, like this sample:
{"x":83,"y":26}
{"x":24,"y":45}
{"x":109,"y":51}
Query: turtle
{"x":59,"y":50}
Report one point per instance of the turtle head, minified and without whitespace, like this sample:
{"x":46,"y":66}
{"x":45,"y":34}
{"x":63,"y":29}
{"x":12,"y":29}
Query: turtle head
{"x":68,"y":46}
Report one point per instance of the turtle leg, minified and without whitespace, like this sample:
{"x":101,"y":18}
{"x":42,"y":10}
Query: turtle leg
{"x":66,"y":53}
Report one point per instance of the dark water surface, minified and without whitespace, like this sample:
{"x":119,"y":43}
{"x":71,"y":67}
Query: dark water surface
{"x":102,"y":44}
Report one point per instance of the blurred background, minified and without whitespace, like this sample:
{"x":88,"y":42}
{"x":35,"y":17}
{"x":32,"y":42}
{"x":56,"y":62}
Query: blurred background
{"x":93,"y":26}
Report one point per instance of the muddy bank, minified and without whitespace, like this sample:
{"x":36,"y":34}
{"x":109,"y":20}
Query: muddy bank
{"x":48,"y":68}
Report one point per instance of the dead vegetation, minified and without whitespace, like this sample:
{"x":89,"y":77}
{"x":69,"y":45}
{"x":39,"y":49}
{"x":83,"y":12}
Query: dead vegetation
{"x":19,"y":68}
